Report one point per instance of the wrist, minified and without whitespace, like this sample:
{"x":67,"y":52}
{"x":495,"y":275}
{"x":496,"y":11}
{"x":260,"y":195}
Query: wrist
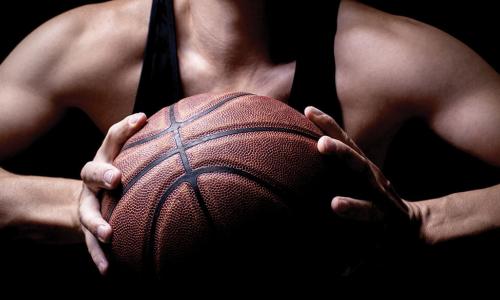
{"x":9,"y":210}
{"x":77,"y":187}
{"x":420,"y":217}
{"x":435,"y":223}
{"x":40,"y":208}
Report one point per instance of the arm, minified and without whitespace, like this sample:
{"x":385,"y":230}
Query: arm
{"x":29,"y":209}
{"x":79,"y":59}
{"x":467,"y":115}
{"x":425,"y":73}
{"x":34,"y":83}
{"x":441,"y":219}
{"x":29,"y":106}
{"x":462,"y":105}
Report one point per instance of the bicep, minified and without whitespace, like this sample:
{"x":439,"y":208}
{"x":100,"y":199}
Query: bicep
{"x":420,"y":71}
{"x":28,"y":105}
{"x":463,"y":106}
{"x":471,"y":121}
{"x":24,"y":115}
{"x":37,"y":78}
{"x":436,"y":77}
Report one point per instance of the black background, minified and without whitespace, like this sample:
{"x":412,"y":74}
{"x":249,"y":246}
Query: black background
{"x":420,"y":165}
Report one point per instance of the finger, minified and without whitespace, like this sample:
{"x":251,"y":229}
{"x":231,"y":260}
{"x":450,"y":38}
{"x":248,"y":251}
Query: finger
{"x":355,"y":162}
{"x":118,"y":134}
{"x":328,"y":125}
{"x":96,"y":252}
{"x":343,"y":152}
{"x":98,"y":175}
{"x":355,"y":209}
{"x":91,"y":218}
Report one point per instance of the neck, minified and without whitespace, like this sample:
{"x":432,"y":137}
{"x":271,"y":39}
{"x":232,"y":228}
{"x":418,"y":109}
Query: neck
{"x":223,"y":46}
{"x":229,"y":32}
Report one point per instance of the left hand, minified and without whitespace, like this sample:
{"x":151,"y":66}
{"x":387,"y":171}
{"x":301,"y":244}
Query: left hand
{"x":386,"y":204}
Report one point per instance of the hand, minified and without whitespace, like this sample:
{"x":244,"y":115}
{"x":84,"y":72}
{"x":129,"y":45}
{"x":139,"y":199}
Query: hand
{"x":101,"y":174}
{"x":386,"y":205}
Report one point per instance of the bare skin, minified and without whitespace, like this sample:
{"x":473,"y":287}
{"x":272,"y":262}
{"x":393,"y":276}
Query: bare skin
{"x":389,"y":69}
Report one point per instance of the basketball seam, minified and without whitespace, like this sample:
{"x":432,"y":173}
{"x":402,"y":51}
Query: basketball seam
{"x":152,"y":137}
{"x":224,"y":100}
{"x":173,"y":125}
{"x":192,"y":179}
{"x":190,"y":176}
{"x":208,"y":138}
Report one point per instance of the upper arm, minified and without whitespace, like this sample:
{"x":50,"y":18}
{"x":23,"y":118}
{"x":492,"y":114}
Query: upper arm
{"x":463,"y":104}
{"x":420,"y":71}
{"x":32,"y":83}
{"x":470,"y":119}
{"x":24,"y":115}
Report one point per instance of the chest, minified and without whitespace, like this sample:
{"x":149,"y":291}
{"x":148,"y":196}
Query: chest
{"x":371,"y":122}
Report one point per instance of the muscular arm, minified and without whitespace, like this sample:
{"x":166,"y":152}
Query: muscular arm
{"x":40,"y":208}
{"x":89,"y":58}
{"x":31,"y":101}
{"x":467,"y":115}
{"x":415,"y":70}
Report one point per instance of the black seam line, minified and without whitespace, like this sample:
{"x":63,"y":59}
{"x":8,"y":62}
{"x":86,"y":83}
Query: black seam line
{"x":207,"y":138}
{"x":154,"y":136}
{"x":221,"y":134}
{"x":192,"y":178}
{"x":172,"y":126}
{"x":202,"y":204}
{"x":182,"y":152}
{"x":222,"y":101}
{"x":146,"y":169}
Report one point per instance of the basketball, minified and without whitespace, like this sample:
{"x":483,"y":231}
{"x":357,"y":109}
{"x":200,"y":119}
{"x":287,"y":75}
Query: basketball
{"x":210,"y":172}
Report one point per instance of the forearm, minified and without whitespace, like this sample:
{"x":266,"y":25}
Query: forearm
{"x":460,"y":215}
{"x":40,"y":208}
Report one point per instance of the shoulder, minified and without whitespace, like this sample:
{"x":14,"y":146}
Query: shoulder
{"x":57,"y":56}
{"x":398,"y":59}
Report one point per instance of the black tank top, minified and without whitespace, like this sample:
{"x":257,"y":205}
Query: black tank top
{"x":160,"y":84}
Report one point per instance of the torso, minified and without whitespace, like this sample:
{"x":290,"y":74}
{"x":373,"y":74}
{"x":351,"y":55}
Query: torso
{"x":367,"y":120}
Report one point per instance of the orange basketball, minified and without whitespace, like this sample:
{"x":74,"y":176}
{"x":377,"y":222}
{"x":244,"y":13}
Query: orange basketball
{"x":211,"y":172}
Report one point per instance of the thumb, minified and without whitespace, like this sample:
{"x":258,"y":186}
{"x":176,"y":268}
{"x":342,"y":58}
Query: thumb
{"x":355,"y":209}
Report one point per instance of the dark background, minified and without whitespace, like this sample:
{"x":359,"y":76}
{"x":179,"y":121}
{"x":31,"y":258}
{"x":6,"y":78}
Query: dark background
{"x":421,"y":166}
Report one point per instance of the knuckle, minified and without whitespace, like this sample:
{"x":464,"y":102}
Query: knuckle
{"x":92,"y":176}
{"x":87,"y":218}
{"x":113,"y":131}
{"x":365,"y":166}
{"x":342,"y":148}
{"x":85,"y":170}
{"x":388,"y":184}
{"x":117,"y":133}
{"x":346,"y":153}
{"x":327,"y":119}
{"x":84,"y":219}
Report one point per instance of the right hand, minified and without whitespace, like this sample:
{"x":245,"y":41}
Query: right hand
{"x":100,"y":174}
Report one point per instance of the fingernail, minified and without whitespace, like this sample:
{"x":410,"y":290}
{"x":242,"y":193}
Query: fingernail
{"x":315,"y":111}
{"x":329,"y":145}
{"x":102,"y":233}
{"x":134,"y":118}
{"x":108,"y":176}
